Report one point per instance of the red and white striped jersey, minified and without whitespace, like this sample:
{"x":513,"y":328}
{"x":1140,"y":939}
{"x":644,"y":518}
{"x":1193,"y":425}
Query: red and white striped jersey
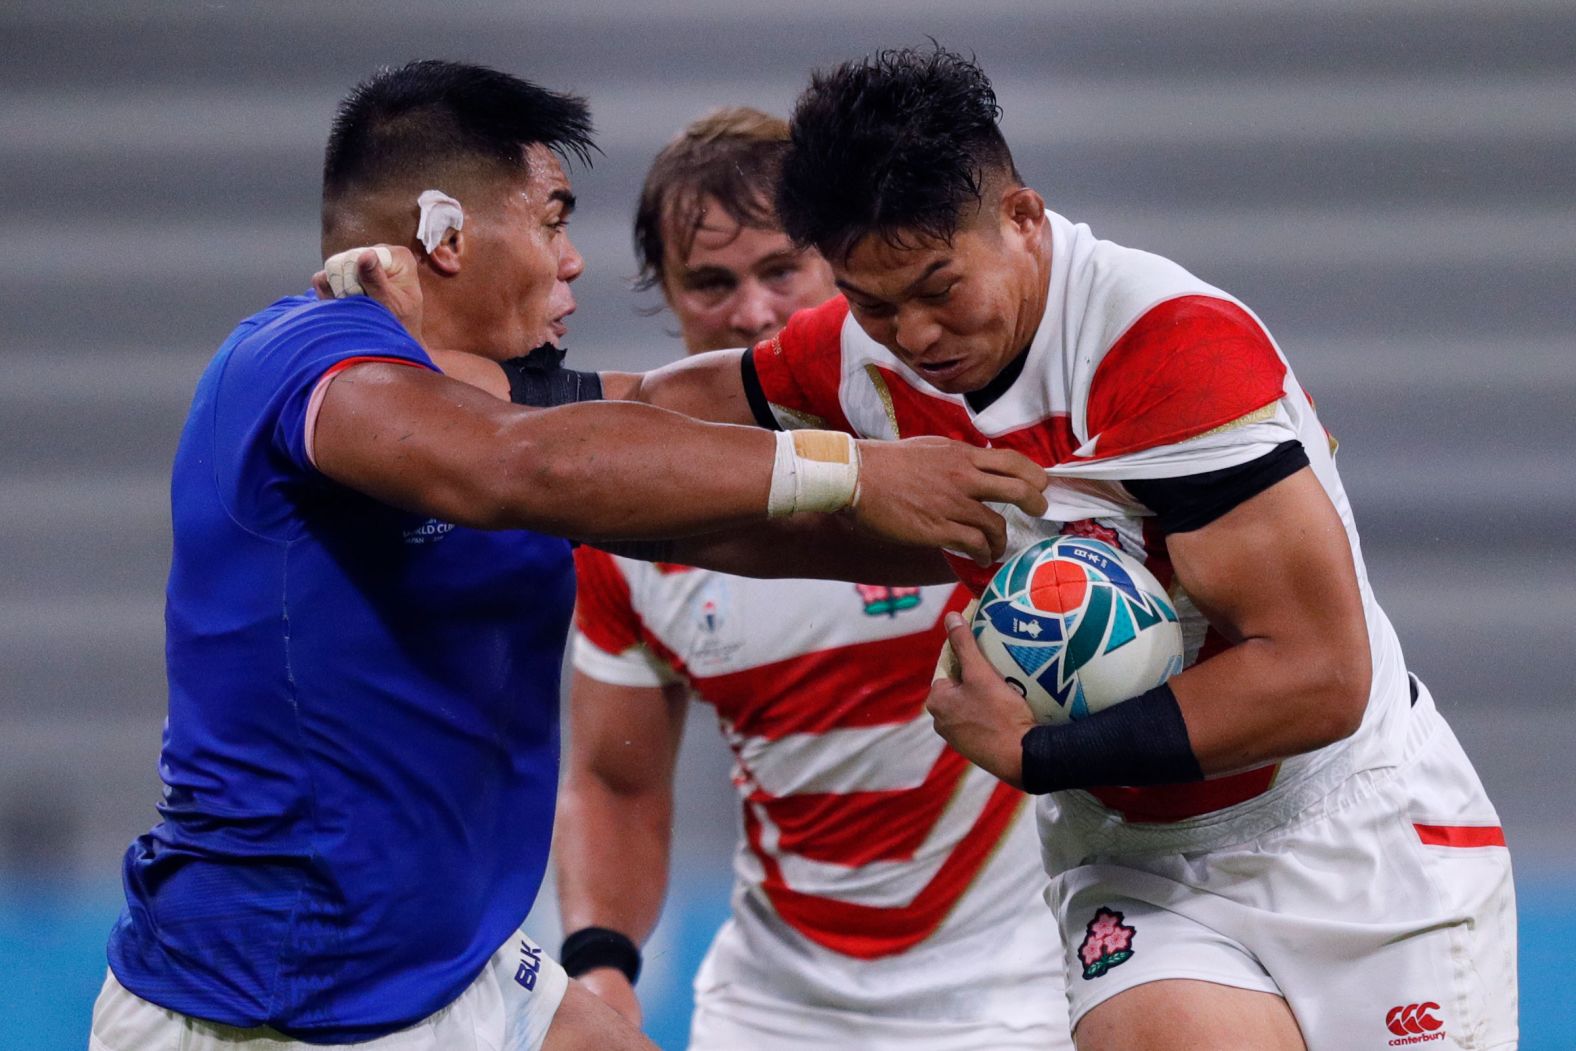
{"x":1138,"y":370}
{"x":865,"y":835}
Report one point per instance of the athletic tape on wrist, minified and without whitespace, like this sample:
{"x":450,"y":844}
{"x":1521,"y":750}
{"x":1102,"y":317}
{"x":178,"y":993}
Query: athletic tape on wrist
{"x":593,"y":947}
{"x":813,"y":471}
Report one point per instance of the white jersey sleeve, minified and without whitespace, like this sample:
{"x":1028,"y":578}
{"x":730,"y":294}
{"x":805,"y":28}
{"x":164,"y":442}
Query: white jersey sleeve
{"x":634,"y":666}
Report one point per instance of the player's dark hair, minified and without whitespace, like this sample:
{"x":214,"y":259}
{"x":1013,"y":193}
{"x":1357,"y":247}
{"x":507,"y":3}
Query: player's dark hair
{"x":435,"y":122}
{"x":898,"y":144}
{"x":730,"y":154}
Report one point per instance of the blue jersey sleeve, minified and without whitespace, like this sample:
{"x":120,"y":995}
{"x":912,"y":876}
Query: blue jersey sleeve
{"x":260,"y":387}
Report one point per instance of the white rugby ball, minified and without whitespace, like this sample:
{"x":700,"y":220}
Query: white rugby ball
{"x":1076,"y":626}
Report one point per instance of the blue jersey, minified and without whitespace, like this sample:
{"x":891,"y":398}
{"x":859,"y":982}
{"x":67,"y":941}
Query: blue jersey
{"x":361,"y":755}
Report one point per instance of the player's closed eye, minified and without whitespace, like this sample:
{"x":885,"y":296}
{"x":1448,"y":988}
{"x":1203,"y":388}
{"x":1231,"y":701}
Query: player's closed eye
{"x":871,"y":310}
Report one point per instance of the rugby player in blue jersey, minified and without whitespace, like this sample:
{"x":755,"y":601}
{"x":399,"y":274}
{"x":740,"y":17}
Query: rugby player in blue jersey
{"x":369,"y":596}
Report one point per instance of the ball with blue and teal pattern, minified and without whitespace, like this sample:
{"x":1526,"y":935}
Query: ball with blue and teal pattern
{"x":1076,"y":625}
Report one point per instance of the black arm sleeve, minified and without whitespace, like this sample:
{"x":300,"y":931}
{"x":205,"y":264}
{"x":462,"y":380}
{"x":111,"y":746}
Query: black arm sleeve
{"x":540,"y":380}
{"x":754,"y":394}
{"x":1195,"y":500}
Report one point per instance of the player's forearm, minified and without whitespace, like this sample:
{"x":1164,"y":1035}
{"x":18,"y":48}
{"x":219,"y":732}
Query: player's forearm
{"x":615,"y":471}
{"x":1266,"y":700}
{"x":612,"y":856}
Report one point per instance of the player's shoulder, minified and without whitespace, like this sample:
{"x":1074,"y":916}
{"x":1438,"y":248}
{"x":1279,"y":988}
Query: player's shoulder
{"x":814,"y":332}
{"x":1118,"y":286}
{"x":304,"y":311}
{"x":299,"y":337}
{"x":1160,"y":355}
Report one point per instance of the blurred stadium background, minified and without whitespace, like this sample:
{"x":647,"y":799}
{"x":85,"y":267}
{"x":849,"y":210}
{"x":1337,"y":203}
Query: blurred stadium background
{"x":1391,"y":184}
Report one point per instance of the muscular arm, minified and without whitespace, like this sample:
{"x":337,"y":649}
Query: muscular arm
{"x":620,"y":470}
{"x":1275,"y":575}
{"x":615,"y":813}
{"x":426,"y":443}
{"x":706,"y":386}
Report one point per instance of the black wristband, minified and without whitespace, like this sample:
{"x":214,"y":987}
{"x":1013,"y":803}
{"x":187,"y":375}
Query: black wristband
{"x":1142,"y":741}
{"x":593,"y":947}
{"x":539,"y":379}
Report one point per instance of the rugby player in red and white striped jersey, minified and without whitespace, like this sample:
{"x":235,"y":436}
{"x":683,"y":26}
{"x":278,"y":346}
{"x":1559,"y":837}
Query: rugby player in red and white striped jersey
{"x":1298,"y":854}
{"x":888,"y":893}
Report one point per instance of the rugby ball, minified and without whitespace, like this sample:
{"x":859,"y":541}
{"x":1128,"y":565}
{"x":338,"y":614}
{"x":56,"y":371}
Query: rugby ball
{"x":1075,"y":625}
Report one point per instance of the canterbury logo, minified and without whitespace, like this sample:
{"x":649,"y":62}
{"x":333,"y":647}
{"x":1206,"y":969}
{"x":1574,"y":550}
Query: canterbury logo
{"x":1413,"y":1019}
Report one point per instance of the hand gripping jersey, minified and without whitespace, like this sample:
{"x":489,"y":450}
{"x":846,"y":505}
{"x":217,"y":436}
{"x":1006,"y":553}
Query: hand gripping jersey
{"x":1138,"y":370}
{"x":361,"y":756}
{"x":868,"y":843}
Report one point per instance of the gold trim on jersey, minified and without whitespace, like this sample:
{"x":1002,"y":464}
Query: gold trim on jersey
{"x":798,"y":420}
{"x":878,"y":381}
{"x":1259,"y":415}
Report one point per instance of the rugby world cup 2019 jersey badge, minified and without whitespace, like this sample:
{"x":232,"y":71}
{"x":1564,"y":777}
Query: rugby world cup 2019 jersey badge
{"x":1107,"y":942}
{"x":716,"y":633}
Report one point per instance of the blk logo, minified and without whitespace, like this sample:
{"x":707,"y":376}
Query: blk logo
{"x":530,"y":964}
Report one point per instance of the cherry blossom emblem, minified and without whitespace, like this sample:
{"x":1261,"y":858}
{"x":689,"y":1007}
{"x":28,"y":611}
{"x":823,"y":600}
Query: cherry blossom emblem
{"x":1107,"y":943}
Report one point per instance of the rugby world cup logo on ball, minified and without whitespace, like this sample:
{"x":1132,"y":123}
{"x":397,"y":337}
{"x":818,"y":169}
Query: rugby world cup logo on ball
{"x":1075,"y":626}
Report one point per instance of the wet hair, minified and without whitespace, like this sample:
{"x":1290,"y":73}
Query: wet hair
{"x":435,"y":124}
{"x":898,"y":144}
{"x":731,"y":154}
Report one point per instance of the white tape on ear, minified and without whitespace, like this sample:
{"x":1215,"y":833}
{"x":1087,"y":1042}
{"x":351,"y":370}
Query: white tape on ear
{"x":440,"y":213}
{"x":341,"y":270}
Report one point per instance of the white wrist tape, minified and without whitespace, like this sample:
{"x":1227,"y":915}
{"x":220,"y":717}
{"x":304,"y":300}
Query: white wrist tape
{"x":341,"y":270}
{"x":813,"y":471}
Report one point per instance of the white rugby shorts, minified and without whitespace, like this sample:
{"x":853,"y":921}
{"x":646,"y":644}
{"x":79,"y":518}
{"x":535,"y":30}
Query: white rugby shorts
{"x":507,"y":1008}
{"x":1385,"y":915}
{"x":733,"y":1020}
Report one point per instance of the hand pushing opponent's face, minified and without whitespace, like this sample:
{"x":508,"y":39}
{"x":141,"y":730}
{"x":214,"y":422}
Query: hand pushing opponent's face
{"x":738,"y":283}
